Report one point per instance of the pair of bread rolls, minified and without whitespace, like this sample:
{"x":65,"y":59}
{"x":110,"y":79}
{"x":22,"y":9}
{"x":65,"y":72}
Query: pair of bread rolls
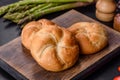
{"x":53,"y":47}
{"x":56,"y":48}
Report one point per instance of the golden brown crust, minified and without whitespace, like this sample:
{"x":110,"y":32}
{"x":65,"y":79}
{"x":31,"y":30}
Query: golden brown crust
{"x":46,"y":22}
{"x":54,"y":48}
{"x":28,"y":32}
{"x":30,"y":29}
{"x":92,"y":37}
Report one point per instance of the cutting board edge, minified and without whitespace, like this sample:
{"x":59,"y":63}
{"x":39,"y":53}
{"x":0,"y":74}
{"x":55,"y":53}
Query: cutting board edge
{"x":11,"y":71}
{"x":91,"y":69}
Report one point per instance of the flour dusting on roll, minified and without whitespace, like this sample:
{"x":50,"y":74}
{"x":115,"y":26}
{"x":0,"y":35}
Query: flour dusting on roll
{"x":92,"y":37}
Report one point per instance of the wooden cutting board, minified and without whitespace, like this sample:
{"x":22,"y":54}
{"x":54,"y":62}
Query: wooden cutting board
{"x":18,"y":62}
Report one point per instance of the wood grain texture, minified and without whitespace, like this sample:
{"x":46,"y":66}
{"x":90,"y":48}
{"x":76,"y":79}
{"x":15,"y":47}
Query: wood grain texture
{"x":18,"y":58}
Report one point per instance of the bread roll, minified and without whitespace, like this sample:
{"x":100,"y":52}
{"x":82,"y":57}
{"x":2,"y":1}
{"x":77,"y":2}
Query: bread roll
{"x":30,"y":29}
{"x":92,"y":37}
{"x":54,"y":48}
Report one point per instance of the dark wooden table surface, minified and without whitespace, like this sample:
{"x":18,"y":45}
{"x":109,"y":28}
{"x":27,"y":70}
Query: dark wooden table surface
{"x":9,"y":31}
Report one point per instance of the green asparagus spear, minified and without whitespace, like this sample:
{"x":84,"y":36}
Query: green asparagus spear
{"x":40,"y":13}
{"x":17,"y":16}
{"x":21,"y":8}
{"x":44,"y":1}
{"x":5,"y":9}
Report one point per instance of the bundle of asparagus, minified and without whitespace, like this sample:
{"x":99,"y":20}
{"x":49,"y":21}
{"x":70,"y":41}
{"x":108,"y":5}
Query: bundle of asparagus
{"x":27,"y":10}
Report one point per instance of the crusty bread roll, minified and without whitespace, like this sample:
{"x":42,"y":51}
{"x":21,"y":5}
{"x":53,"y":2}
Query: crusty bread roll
{"x":54,"y":48}
{"x":92,"y":37}
{"x":30,"y":29}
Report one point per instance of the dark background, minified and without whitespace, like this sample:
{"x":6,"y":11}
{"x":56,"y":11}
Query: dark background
{"x":9,"y":31}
